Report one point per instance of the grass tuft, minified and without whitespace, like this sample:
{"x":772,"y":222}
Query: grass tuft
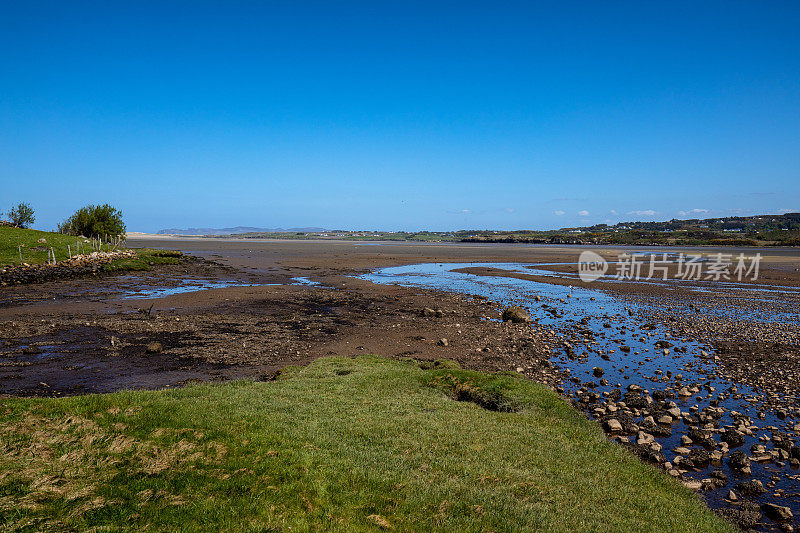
{"x":345,"y":444}
{"x":145,"y":259}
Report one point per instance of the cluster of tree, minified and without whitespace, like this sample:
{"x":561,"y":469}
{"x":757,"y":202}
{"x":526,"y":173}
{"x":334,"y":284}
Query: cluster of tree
{"x":94,"y":221}
{"x":89,"y":221}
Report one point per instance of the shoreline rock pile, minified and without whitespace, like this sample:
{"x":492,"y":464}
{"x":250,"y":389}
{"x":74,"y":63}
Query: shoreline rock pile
{"x":79,"y":265}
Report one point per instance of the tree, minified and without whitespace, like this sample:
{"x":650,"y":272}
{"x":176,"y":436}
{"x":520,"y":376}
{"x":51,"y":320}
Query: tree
{"x":22,"y":215}
{"x":94,"y":221}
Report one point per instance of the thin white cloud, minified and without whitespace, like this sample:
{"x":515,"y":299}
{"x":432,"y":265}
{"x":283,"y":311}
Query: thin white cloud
{"x":643,"y":213}
{"x":466,"y":211}
{"x":693,"y":212}
{"x":583,"y":213}
{"x":613,"y":211}
{"x":558,"y":212}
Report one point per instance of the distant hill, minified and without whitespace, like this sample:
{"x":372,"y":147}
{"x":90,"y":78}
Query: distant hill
{"x":759,"y":230}
{"x":230,"y":231}
{"x":763,"y":230}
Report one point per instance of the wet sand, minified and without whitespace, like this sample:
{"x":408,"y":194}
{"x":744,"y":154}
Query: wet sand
{"x":252,"y":331}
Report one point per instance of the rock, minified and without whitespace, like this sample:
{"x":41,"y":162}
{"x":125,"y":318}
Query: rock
{"x":693,"y":484}
{"x":443,"y":342}
{"x":751,"y":488}
{"x":597,"y":372}
{"x":613,"y":425}
{"x":777,"y":512}
{"x":738,"y":460}
{"x":732,"y":496}
{"x":154,"y":347}
{"x":427,"y":312}
{"x":720,"y":476}
{"x":684,"y":392}
{"x":700,"y":457}
{"x":732,"y":437}
{"x":745,"y":516}
{"x":635,"y":400}
{"x":644,"y":438}
{"x":664,"y":419}
{"x":517,"y":315}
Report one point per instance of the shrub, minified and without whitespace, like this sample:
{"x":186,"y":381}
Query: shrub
{"x":94,"y":221}
{"x":22,"y":215}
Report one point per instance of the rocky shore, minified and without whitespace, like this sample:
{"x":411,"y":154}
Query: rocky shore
{"x":79,"y":265}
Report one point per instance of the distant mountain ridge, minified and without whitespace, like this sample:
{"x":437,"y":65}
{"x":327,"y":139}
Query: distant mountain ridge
{"x":230,"y":231}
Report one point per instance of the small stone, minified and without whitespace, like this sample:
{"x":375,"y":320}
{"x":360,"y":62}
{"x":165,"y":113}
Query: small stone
{"x":738,"y":460}
{"x":752,"y":487}
{"x":517,"y":315}
{"x":613,"y":425}
{"x":693,"y":484}
{"x":443,"y":342}
{"x":732,"y":496}
{"x":154,"y":347}
{"x":644,"y":438}
{"x":777,"y":512}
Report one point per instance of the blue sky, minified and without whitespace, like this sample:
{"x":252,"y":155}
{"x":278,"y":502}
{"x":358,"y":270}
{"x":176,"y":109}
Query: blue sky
{"x":400,"y":115}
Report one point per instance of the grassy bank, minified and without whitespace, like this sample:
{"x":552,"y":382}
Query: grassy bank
{"x":343,"y":444}
{"x":33,"y":252}
{"x":16,"y":240}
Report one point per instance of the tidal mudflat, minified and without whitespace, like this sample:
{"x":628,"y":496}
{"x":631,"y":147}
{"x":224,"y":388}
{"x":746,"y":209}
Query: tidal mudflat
{"x":700,"y":379}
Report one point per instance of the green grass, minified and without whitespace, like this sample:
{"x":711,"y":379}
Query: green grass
{"x":34,"y":252}
{"x":343,"y":444}
{"x":144,"y":260}
{"x":11,"y":238}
